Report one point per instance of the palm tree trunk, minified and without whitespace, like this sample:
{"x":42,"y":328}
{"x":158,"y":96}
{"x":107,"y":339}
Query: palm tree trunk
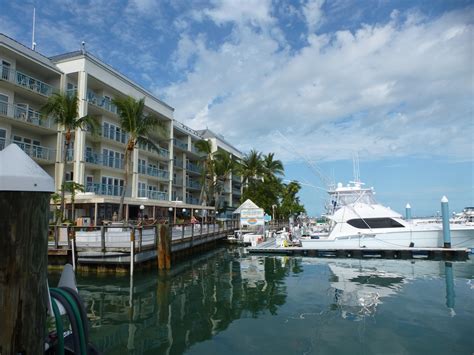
{"x":125,"y":184}
{"x":63,"y":202}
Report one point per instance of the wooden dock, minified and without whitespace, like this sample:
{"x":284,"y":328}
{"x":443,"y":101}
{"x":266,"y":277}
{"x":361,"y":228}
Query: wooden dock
{"x":269,"y":247}
{"x":115,"y":247}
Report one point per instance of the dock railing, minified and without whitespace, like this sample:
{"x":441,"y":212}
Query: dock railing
{"x":118,"y":237}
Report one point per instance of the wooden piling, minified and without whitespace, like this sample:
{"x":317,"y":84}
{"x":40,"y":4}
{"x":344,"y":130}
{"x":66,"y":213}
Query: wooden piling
{"x":25,"y":191}
{"x":164,"y":249}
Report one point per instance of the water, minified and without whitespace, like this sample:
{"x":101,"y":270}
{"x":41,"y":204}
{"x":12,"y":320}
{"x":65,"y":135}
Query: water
{"x":228,"y":302}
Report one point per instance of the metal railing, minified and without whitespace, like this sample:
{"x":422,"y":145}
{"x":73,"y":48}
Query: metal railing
{"x":193,"y":184}
{"x":161,"y":151}
{"x":162,"y":174}
{"x":28,"y":82}
{"x":153,"y":195}
{"x":180,"y":144}
{"x":193,"y":167}
{"x":192,"y":200}
{"x":35,"y":151}
{"x":178,"y":163}
{"x":104,"y":189}
{"x":100,"y":159}
{"x":101,"y":101}
{"x":26,"y":114}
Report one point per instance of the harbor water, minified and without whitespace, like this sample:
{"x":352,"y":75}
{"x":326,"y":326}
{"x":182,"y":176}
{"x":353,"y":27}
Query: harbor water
{"x":230,"y":302}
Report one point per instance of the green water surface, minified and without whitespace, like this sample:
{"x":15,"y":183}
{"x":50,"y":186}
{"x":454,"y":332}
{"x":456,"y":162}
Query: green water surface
{"x":229,"y":302}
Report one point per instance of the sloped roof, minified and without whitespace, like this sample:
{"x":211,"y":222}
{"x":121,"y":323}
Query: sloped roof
{"x":247,"y":205}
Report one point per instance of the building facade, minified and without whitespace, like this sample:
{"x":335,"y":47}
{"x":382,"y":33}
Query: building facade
{"x":169,"y":177}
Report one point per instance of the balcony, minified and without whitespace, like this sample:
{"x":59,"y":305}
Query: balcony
{"x":236,"y":192}
{"x":103,"y":102}
{"x":180,"y":144}
{"x":193,"y":167}
{"x":153,"y":195}
{"x":161,"y":151}
{"x":236,"y":178}
{"x":152,"y":171}
{"x":178,"y":163}
{"x":18,"y":78}
{"x":35,"y":151}
{"x":24,"y":113}
{"x":107,"y":161}
{"x":104,"y":189}
{"x":193,"y":185}
{"x":178,"y":182}
{"x":192,"y":200}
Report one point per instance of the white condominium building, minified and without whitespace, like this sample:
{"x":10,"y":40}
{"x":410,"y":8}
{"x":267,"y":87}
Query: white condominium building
{"x":160,"y":179}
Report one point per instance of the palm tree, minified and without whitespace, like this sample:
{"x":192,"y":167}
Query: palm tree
{"x":224,"y":165}
{"x":251,"y":166}
{"x":207,"y":170}
{"x":64,"y":109}
{"x":271,"y":167}
{"x":73,"y":187}
{"x":139,"y":125}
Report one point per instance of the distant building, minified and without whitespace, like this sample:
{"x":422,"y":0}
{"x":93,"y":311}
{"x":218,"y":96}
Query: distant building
{"x":168,"y":178}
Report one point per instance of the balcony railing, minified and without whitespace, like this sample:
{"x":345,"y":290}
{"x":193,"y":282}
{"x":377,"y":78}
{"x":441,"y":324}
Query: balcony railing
{"x":193,"y":184}
{"x":100,"y":159}
{"x":26,"y":114}
{"x":236,"y":192}
{"x":104,"y":189}
{"x":178,"y":163}
{"x":180,"y":144}
{"x":115,"y":135}
{"x":178,"y":182}
{"x":161,"y":151}
{"x":192,"y":200}
{"x":153,"y":195}
{"x":35,"y":151}
{"x":26,"y":81}
{"x":236,"y":178}
{"x":162,"y":174}
{"x":193,"y":167}
{"x":101,"y":101}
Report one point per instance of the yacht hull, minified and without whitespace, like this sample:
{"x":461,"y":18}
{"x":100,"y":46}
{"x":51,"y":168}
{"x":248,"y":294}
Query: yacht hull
{"x":460,"y":238}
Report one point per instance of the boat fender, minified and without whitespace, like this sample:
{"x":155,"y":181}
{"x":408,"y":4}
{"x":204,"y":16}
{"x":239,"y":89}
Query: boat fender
{"x":412,"y":245}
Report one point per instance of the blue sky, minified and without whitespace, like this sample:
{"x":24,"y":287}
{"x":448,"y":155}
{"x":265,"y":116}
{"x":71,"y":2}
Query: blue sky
{"x":392,"y":81}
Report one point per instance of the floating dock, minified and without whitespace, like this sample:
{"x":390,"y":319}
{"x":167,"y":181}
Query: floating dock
{"x":269,"y":247}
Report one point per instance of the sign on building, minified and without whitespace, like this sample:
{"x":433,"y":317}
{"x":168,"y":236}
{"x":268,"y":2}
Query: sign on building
{"x":252,"y":217}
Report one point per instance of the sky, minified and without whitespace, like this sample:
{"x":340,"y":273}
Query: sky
{"x":316,"y":82}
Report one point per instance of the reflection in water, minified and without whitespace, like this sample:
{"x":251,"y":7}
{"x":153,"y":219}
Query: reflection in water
{"x":170,"y":312}
{"x":200,"y":300}
{"x":361,"y":285}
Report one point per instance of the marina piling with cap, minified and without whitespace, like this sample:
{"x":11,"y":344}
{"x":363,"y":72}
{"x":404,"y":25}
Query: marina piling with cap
{"x":25,"y":191}
{"x":408,"y":212}
{"x":445,"y":217}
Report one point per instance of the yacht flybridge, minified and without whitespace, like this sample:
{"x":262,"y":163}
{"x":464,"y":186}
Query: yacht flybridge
{"x":356,"y":220}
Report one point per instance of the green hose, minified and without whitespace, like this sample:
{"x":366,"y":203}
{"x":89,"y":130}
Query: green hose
{"x":77,"y":315}
{"x":59,"y":327}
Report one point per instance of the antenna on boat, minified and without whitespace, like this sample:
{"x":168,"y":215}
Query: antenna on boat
{"x":356,"y":168}
{"x":33,"y":43}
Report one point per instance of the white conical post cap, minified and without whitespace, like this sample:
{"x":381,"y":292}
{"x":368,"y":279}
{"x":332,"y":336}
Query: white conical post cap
{"x":444,"y":199}
{"x":408,"y":206}
{"x":18,"y":172}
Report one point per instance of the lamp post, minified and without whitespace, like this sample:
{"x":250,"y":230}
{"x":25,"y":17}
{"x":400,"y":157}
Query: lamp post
{"x":141,"y":213}
{"x":273,"y":213}
{"x":184,"y":213}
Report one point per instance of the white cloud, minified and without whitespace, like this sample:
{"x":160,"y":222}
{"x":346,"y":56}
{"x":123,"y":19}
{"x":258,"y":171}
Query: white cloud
{"x":254,"y":12}
{"x":393,"y":89}
{"x":313,"y":14}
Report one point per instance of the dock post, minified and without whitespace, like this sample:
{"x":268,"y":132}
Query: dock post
{"x":164,"y":249}
{"x":132,"y":250}
{"x":25,"y":191}
{"x":408,"y":212}
{"x":102,"y":238}
{"x":445,"y":216}
{"x":449,"y":285}
{"x":72,"y":238}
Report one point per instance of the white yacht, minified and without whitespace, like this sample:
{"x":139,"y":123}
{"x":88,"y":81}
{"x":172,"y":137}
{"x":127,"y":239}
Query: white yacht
{"x":356,"y":220}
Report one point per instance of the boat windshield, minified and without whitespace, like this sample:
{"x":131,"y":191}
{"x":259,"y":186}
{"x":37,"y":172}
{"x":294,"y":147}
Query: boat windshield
{"x":347,"y":198}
